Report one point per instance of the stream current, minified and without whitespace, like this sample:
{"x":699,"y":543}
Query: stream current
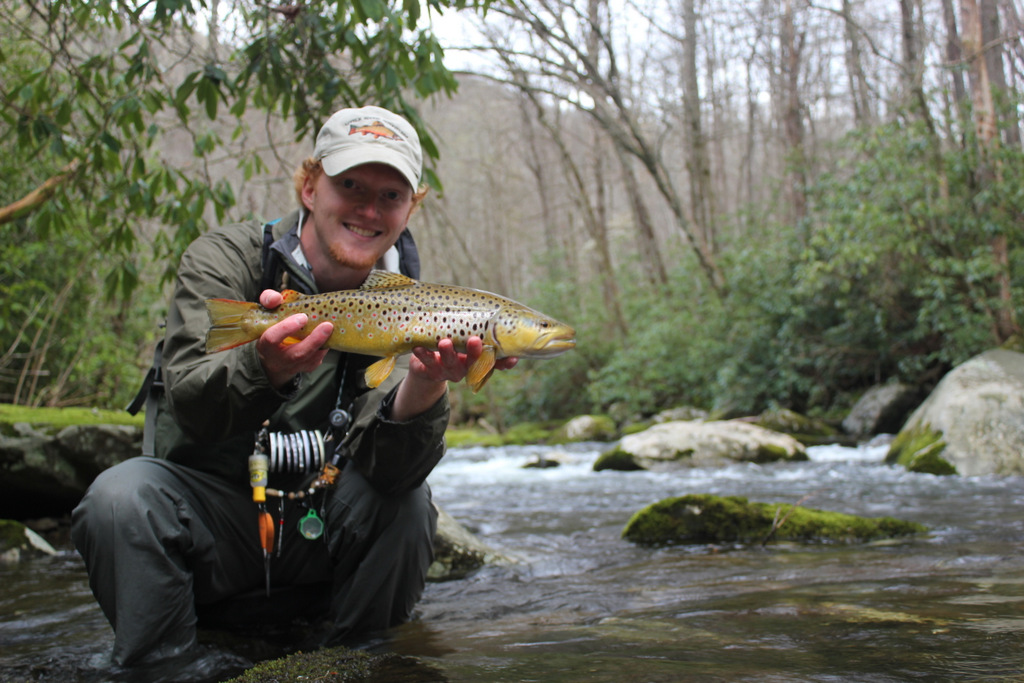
{"x":578,"y":603}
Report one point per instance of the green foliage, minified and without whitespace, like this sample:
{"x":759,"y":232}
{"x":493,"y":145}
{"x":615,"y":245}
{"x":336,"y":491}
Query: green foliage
{"x":900,"y":242}
{"x":673,"y":350}
{"x":896,"y":279}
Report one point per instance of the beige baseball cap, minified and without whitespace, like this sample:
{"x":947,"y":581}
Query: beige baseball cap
{"x":366,"y":135}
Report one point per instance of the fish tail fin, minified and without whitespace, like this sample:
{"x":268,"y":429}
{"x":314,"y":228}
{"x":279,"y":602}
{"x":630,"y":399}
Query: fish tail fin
{"x":226,"y":331}
{"x":480,"y":371}
{"x":379,"y":371}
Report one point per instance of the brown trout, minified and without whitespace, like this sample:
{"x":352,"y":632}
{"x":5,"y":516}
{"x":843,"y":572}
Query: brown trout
{"x":390,"y":314}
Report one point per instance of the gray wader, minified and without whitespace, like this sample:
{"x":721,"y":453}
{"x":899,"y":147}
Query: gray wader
{"x":163,"y":543}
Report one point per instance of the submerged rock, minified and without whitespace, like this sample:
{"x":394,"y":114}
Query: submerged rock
{"x":972,"y":423}
{"x":703,"y":518}
{"x":340,"y":664}
{"x":700,"y":444}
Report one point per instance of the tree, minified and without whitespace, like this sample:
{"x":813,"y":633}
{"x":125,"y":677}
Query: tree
{"x":113,"y":79}
{"x":983,"y":52}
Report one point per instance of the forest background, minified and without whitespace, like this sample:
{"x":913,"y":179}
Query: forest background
{"x":738,"y":205}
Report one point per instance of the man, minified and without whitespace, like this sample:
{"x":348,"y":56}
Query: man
{"x":172,"y":539}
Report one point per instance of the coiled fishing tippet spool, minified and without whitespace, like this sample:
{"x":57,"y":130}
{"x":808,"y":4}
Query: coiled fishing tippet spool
{"x":298,"y":452}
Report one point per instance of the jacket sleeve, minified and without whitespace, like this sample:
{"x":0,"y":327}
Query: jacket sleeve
{"x":215,"y":396}
{"x":395,"y":456}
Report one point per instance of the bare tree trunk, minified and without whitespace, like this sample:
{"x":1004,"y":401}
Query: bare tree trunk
{"x":913,"y":64}
{"x":647,"y":241}
{"x":697,"y":162}
{"x":863,"y":111}
{"x":978,"y":24}
{"x":953,"y":57}
{"x":792,"y":116}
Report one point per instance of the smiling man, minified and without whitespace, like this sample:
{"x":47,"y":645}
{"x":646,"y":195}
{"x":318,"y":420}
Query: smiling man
{"x":173,"y":541}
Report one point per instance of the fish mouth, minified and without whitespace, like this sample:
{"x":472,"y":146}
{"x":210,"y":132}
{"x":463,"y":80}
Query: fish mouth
{"x":556,"y":343}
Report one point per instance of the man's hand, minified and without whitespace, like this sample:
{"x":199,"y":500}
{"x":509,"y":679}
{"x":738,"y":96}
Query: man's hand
{"x":430,"y":372}
{"x":282,"y":361}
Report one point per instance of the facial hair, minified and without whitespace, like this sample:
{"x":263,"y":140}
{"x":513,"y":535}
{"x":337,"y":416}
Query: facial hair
{"x":349,"y":259}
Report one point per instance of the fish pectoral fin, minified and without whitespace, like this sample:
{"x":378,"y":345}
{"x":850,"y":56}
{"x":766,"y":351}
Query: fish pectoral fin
{"x":379,"y":371}
{"x":481,"y":370}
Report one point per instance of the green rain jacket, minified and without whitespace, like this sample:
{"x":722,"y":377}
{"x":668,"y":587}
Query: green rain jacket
{"x":213,"y":404}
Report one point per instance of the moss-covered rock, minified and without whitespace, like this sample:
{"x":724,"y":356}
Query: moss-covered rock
{"x":587,"y":428}
{"x":616,"y":459}
{"x":704,"y":518}
{"x":807,"y":430}
{"x":920,"y":449}
{"x":339,"y":664}
{"x":978,"y":409}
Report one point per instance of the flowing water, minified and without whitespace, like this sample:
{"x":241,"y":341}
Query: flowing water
{"x":578,"y":603}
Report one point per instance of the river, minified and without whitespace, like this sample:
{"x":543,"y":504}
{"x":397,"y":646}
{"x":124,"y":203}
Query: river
{"x":579,"y":603}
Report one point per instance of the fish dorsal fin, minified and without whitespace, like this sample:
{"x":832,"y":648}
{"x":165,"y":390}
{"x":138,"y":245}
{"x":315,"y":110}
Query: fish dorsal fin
{"x":289,"y":295}
{"x":382,"y":279}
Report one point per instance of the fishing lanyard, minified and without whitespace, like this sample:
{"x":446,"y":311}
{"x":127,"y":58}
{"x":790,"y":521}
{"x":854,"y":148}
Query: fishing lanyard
{"x":304,"y":451}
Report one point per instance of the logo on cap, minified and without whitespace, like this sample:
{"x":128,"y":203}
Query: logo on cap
{"x":378,"y":129}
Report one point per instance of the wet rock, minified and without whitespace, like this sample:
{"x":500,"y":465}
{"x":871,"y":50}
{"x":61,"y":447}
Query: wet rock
{"x":881,"y":410}
{"x":587,"y":428}
{"x":807,"y":430}
{"x":700,"y":444}
{"x":680,"y":414}
{"x":45,"y":474}
{"x":702,"y":518}
{"x":972,"y":423}
{"x":457,"y":552}
{"x":17,"y":542}
{"x":544,"y":462}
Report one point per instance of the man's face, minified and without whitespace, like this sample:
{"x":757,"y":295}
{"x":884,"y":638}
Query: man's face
{"x":357,"y":215}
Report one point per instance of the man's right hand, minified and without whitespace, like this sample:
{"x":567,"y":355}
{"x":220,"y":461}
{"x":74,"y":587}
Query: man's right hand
{"x":282,"y":361}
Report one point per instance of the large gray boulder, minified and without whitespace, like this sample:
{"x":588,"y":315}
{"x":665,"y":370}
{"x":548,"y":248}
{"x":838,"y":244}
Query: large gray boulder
{"x":44,"y":473}
{"x":672,"y":445}
{"x":972,"y":423}
{"x":882,"y":410}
